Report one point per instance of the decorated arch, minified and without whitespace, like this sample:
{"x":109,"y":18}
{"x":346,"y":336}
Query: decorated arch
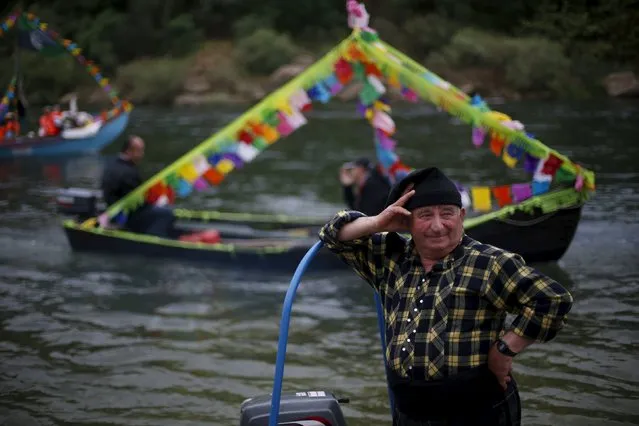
{"x":555,"y":181}
{"x":35,"y":35}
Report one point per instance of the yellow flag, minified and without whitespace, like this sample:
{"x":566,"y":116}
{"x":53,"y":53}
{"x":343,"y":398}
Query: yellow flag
{"x":481,"y":198}
{"x":393,"y":81}
{"x":381,"y":106}
{"x":224,"y":166}
{"x":189,"y":173}
{"x":284,"y":107}
{"x":510,"y":161}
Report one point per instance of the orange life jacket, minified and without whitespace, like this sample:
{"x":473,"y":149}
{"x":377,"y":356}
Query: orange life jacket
{"x":47,"y":123}
{"x":12,"y":126}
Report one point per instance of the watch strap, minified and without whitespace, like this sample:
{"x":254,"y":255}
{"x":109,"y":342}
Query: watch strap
{"x":503,"y":348}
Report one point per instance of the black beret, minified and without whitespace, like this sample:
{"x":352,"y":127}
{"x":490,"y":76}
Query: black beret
{"x":432,"y":187}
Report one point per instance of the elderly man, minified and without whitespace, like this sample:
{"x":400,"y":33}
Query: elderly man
{"x":445,"y":299}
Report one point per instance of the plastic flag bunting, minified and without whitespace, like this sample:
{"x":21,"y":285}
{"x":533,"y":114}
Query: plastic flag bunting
{"x":478,"y":136}
{"x":481,"y":198}
{"x":530,"y":163}
{"x":540,"y":187}
{"x":300,"y":100}
{"x":502,"y":195}
{"x":373,"y":65}
{"x":521,"y":192}
{"x":496,"y":144}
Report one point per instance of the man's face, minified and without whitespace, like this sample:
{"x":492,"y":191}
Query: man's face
{"x":437,"y":230}
{"x":136,"y":151}
{"x":358,"y":173}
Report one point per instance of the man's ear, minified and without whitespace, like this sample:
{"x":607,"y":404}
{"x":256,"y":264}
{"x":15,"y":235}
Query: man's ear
{"x":462,"y":213}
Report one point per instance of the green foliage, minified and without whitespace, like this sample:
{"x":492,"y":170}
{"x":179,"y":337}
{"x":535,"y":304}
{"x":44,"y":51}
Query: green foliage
{"x":429,"y":33}
{"x":156,"y":81}
{"x":593,"y":36}
{"x":249,"y":24}
{"x":528,"y":64}
{"x":184,"y":36}
{"x":263,"y":51}
{"x":537,"y":65}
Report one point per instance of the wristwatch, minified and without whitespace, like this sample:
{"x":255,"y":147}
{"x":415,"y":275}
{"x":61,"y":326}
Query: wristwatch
{"x":504,"y":349}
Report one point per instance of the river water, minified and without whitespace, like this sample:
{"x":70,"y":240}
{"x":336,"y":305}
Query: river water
{"x":104,"y":340}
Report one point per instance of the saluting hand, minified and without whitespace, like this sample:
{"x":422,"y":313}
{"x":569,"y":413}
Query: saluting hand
{"x":395,"y":218}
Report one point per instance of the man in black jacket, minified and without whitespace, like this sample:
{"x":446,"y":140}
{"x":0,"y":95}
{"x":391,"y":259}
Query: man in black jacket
{"x":365,"y":187}
{"x":120,"y":177}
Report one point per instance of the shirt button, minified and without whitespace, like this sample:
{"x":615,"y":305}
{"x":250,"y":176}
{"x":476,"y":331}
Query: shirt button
{"x":408,"y":320}
{"x":415,"y":309}
{"x":403,"y":349}
{"x":414,"y":331}
{"x":410,"y":367}
{"x":408,"y":340}
{"x":421,"y":300}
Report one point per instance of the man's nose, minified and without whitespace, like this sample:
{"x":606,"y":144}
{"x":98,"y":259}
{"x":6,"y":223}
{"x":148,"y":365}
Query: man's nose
{"x":436,"y":223}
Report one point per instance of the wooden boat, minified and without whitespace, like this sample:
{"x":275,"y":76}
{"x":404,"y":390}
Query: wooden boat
{"x":248,"y":252}
{"x":102,"y":128}
{"x":82,"y":141}
{"x":537,"y":218}
{"x":537,"y":236}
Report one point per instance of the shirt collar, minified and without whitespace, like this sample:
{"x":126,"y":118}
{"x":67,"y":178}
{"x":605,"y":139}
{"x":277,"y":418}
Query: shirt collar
{"x":447,"y":262}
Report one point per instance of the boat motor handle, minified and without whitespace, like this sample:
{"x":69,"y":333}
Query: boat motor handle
{"x":283,"y":336}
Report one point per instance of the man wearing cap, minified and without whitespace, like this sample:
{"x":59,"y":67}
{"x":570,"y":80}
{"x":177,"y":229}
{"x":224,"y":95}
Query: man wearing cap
{"x":445,"y":298}
{"x":364,"y":187}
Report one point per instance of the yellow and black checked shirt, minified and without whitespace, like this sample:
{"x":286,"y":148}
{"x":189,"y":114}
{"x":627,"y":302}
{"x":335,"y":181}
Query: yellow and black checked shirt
{"x":443,"y":322}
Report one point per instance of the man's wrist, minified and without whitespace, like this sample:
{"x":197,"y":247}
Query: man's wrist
{"x":515,"y":342}
{"x":504,"y":349}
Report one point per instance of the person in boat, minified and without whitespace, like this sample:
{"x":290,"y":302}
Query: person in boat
{"x":445,"y":298}
{"x":11,"y":126}
{"x":57,"y":115}
{"x":364,"y":186}
{"x":121,"y":176}
{"x":47,"y":124}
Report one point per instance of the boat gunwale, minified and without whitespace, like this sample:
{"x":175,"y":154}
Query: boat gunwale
{"x":167,"y":242}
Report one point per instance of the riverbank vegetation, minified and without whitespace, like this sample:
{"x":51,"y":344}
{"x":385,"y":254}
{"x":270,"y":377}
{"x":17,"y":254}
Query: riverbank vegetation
{"x":193,"y":51}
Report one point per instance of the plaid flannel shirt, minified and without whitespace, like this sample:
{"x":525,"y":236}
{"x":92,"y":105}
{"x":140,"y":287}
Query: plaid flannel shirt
{"x":442,"y":322}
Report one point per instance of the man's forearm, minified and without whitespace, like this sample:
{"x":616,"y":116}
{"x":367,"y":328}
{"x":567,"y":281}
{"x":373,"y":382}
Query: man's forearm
{"x":358,"y":228}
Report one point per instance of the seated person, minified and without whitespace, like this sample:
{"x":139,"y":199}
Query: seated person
{"x":365,"y":187}
{"x":46,"y":122}
{"x":11,"y":126}
{"x":120,"y":177}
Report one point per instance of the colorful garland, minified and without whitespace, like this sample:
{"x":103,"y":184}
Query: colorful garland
{"x":8,"y":97}
{"x":119,"y":105}
{"x":361,"y":57}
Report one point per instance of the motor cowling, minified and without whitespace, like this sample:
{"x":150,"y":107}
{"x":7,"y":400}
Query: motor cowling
{"x":312,"y":408}
{"x":79,"y":202}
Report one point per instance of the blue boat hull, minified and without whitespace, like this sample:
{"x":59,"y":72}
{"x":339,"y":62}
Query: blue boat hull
{"x":51,"y":146}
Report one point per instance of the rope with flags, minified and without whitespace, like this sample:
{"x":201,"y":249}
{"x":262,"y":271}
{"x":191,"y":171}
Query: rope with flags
{"x":34,"y":34}
{"x":379,"y":68}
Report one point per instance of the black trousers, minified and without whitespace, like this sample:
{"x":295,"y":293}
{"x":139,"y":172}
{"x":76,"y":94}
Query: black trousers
{"x":486,"y":405}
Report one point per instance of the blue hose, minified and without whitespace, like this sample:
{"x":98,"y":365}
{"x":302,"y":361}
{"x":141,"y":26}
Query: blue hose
{"x":283,"y":337}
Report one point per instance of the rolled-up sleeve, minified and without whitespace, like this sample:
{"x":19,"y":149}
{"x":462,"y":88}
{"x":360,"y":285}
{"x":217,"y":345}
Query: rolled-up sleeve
{"x":365,"y":255}
{"x":540,"y":303}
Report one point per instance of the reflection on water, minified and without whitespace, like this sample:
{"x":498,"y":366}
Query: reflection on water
{"x":107,"y":340}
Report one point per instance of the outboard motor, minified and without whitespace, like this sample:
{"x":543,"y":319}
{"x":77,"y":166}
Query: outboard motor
{"x":79,"y":202}
{"x":315,"y":408}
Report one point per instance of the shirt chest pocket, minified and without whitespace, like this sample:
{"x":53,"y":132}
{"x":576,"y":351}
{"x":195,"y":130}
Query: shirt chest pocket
{"x":467,"y":298}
